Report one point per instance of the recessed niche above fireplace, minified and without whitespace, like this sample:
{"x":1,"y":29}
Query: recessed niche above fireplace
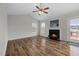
{"x":54,"y":23}
{"x":54,"y":34}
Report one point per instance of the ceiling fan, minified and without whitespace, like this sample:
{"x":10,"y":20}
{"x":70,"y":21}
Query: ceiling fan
{"x":41,"y":9}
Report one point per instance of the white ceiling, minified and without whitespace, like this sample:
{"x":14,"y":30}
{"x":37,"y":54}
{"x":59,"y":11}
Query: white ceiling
{"x":56,"y":9}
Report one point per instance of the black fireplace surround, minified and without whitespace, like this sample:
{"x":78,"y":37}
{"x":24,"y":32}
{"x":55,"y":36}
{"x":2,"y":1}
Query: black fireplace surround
{"x":54,"y":34}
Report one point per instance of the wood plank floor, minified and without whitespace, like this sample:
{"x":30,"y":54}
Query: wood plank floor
{"x":39,"y":46}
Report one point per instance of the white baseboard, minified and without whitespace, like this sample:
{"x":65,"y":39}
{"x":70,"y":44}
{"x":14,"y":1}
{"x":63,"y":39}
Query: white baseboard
{"x":14,"y":38}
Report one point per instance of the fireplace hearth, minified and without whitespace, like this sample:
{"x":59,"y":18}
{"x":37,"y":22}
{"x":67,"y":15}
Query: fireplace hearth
{"x":54,"y":34}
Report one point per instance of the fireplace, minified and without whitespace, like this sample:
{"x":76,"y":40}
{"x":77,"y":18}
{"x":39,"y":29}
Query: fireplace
{"x":54,"y":34}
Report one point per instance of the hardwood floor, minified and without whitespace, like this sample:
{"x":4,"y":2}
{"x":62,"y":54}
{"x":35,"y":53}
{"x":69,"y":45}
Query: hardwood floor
{"x":39,"y":46}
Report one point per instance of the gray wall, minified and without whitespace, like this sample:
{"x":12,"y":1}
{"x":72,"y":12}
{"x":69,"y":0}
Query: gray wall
{"x":3,"y":29}
{"x":20,"y":26}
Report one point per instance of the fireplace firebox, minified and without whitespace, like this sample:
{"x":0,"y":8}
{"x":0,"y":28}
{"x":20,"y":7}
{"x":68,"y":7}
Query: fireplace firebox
{"x":54,"y":34}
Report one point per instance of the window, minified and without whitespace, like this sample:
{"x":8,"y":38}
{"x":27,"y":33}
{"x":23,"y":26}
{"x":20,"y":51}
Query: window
{"x":34,"y":27}
{"x":74,"y":29}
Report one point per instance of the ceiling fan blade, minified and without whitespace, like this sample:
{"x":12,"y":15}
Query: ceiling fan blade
{"x":45,"y":12}
{"x":37,"y":7}
{"x":46,"y":8}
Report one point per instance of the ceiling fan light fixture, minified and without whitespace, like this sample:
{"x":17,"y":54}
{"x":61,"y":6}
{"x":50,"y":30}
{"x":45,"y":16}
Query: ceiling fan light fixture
{"x":40,"y":10}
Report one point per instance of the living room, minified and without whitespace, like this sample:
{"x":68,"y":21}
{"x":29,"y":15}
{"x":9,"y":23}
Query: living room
{"x":37,"y":29}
